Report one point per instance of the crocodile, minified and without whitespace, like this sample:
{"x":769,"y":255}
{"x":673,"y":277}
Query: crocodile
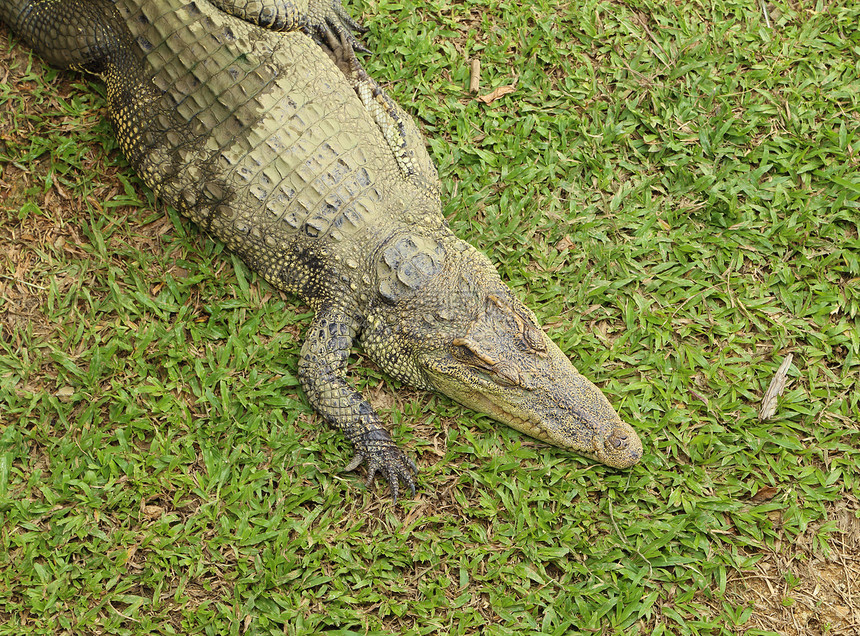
{"x":256,"y":120}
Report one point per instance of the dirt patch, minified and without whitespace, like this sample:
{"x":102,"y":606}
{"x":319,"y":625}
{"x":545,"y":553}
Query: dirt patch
{"x":801,"y":587}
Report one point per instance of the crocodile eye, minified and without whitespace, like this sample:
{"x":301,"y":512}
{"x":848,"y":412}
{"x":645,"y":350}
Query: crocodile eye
{"x":470,"y":351}
{"x":464,"y":354}
{"x":506,"y":374}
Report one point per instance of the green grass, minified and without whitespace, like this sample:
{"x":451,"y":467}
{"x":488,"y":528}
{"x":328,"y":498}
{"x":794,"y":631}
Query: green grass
{"x":674,"y":188}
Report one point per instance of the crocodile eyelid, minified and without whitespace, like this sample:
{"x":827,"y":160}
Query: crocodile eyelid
{"x":508,"y":374}
{"x":472,"y":346}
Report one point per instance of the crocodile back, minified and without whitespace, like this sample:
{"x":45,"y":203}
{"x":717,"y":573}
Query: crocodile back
{"x":259,"y":137}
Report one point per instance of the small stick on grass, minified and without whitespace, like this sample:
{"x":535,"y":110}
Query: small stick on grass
{"x":475,"y":81}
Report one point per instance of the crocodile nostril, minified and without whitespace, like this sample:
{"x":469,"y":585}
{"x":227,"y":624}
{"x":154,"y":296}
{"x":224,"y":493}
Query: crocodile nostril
{"x":616,"y":441}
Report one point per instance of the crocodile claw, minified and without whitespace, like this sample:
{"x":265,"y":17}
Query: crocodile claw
{"x":383,"y":456}
{"x":335,"y":22}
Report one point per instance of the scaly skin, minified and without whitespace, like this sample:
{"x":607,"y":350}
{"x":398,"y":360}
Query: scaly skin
{"x":281,"y":146}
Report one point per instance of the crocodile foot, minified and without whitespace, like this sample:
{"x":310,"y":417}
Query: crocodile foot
{"x":382,"y":455}
{"x":328,"y":19}
{"x":342,"y":53}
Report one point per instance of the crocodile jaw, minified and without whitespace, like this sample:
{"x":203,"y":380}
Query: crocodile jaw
{"x":554,"y":403}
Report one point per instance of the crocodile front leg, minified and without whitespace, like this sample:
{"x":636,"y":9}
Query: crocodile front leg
{"x":322,"y":372}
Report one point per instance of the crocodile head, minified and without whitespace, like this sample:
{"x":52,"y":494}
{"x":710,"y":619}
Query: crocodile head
{"x":505,"y":366}
{"x":471,"y":339}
